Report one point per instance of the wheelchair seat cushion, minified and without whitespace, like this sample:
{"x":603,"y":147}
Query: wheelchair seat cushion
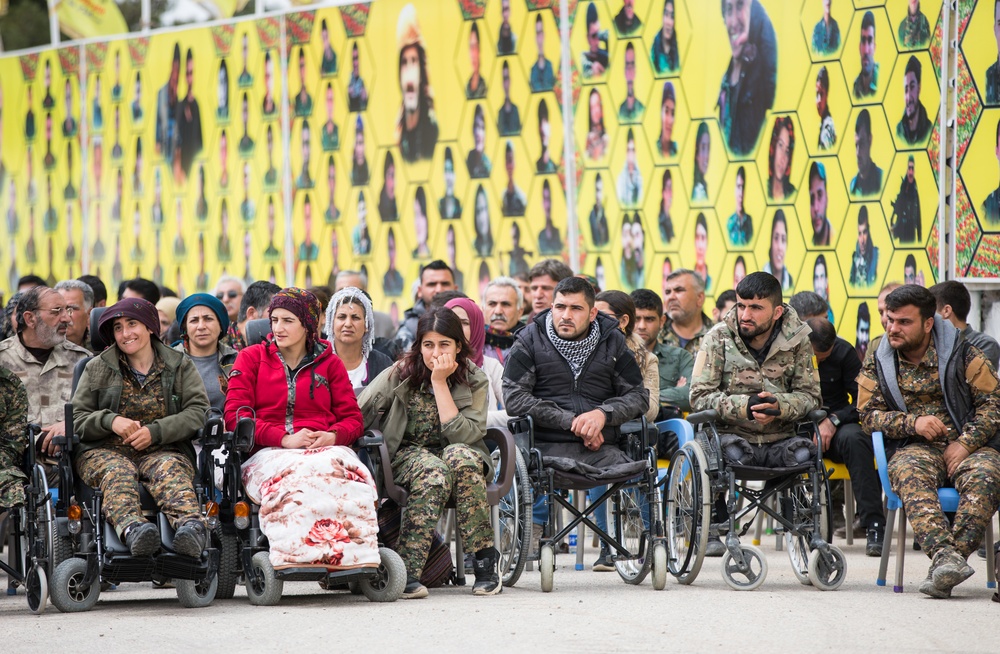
{"x":317,"y":507}
{"x":577,"y":467}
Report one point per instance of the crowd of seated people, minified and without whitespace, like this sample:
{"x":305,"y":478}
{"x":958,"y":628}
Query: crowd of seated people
{"x":578,"y":359}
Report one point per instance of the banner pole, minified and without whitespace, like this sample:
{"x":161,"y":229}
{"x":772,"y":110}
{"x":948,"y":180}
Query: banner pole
{"x":286,"y":137}
{"x":569,"y":146}
{"x":85,"y":216}
{"x":147,"y":16}
{"x":53,"y":22}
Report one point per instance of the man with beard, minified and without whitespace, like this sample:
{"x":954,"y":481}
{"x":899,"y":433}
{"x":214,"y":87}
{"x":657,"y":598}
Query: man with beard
{"x":868,"y":181}
{"x":502,"y":304}
{"x":933,"y":396}
{"x":906,"y":209}
{"x":417,"y":127}
{"x":915,"y":126}
{"x":864,"y":263}
{"x":43,"y":359}
{"x":684,"y":298}
{"x":866,"y":83}
{"x":822,"y":229}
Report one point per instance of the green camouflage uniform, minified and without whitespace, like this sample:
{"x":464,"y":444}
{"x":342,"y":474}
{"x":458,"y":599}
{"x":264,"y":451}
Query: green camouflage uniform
{"x":670,"y":337}
{"x":917,"y":469}
{"x":726,"y":375}
{"x":432,"y":471}
{"x":162,"y":468}
{"x":13,"y":439}
{"x":50,"y":384}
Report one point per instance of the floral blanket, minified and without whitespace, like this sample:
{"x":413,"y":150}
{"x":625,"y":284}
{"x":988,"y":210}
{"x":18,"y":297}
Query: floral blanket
{"x":317,"y":507}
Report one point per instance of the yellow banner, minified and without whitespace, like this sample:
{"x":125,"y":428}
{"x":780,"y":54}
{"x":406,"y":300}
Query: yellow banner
{"x":84,"y":19}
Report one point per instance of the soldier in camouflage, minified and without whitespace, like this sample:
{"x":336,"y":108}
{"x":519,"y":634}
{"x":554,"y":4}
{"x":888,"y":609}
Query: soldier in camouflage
{"x":683,"y":300}
{"x":13,"y":439}
{"x":756,"y":368}
{"x":934,"y":398}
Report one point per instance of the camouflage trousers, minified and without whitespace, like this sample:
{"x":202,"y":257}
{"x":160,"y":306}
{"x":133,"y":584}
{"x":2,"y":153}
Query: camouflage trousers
{"x":168,"y":475}
{"x":916,"y":472}
{"x":431,"y":480}
{"x":12,"y":478}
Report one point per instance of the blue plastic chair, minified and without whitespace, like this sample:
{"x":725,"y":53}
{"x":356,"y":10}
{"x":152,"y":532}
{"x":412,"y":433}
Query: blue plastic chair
{"x":949,"y":504}
{"x":684,"y":431}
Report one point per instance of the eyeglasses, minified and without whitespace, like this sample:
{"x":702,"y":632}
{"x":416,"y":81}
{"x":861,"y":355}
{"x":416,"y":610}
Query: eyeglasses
{"x":232,"y":295}
{"x":54,"y":312}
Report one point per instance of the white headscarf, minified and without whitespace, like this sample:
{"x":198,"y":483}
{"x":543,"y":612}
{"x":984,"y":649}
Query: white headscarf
{"x":351,"y":295}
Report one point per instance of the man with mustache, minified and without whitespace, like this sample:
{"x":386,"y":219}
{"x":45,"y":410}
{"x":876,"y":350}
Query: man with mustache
{"x":915,"y":126}
{"x":683,"y":299}
{"x":866,"y":83}
{"x":41,"y":357}
{"x":502,"y":304}
{"x":417,"y":128}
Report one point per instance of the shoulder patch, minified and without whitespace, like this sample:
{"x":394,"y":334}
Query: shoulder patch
{"x":699,"y":363}
{"x":979,"y":375}
{"x":235,"y":373}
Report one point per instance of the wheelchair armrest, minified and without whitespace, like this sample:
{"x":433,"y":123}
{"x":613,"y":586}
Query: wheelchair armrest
{"x":816,"y":415}
{"x":371,"y":438}
{"x":392,"y":491}
{"x":711,"y":415}
{"x":523,"y":430}
{"x":505,"y":471}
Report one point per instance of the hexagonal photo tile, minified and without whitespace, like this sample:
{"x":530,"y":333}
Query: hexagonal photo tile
{"x":302,"y":78}
{"x":704,"y":170}
{"x":824,"y":26}
{"x":542,"y":133}
{"x":822,"y":203}
{"x":511,"y":182}
{"x":420,"y":226}
{"x":780,"y":250}
{"x":667,"y":208}
{"x":594,"y":125}
{"x":865,"y":155}
{"x":547,"y":214}
{"x":629,"y":158}
{"x":361,"y":80}
{"x":593,"y":41}
{"x":869,"y":56}
{"x":980,"y":46}
{"x":704,"y":234}
{"x":515,"y":251}
{"x":913,"y":111}
{"x":737,"y":266}
{"x":389,"y":182}
{"x":911,"y":267}
{"x":821,"y":274}
{"x":393,"y":281}
{"x":667,"y":36}
{"x":597,"y":204}
{"x":331,"y":189}
{"x":507,"y":96}
{"x":483,"y":213}
{"x":449,"y":178}
{"x":741,"y":203}
{"x":980,"y":170}
{"x":859,"y":324}
{"x":540,"y":50}
{"x":359,"y":217}
{"x":474,"y":60}
{"x":863,"y":249}
{"x":631,"y":74}
{"x":910,"y":200}
{"x":667,"y":120}
{"x":303,"y":157}
{"x":477,"y":139}
{"x":824,"y":109}
{"x":779,"y":168}
{"x":508,"y":19}
{"x":913,"y":22}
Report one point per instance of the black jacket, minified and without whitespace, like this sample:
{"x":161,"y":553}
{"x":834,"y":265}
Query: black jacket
{"x":838,"y":375}
{"x":538,"y":382}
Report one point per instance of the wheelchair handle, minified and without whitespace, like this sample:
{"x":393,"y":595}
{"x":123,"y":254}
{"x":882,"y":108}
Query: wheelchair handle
{"x":711,"y":415}
{"x":371,"y":438}
{"x":816,"y":415}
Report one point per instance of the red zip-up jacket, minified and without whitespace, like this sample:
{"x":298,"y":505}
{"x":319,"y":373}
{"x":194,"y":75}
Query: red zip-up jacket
{"x":318,"y":396}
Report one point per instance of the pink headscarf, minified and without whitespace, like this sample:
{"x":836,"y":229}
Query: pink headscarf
{"x":477,"y":327}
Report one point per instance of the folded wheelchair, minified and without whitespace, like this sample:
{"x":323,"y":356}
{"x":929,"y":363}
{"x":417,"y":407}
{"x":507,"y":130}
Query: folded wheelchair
{"x":796,"y":498}
{"x":636,"y":536}
{"x":30,"y":538}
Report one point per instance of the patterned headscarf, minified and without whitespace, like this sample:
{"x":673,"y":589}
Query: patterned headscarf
{"x":477,"y":333}
{"x":132,"y":307}
{"x":352,"y":295}
{"x":304,"y":306}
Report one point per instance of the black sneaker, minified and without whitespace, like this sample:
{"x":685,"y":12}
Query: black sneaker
{"x":487,"y":579}
{"x":143,"y":540}
{"x":414,"y":589}
{"x":190,"y":539}
{"x":876,"y":540}
{"x":604,"y":562}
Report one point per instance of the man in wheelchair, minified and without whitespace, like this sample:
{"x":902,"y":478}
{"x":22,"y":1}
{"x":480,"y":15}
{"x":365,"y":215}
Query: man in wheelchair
{"x":13,"y":439}
{"x":756,"y":369}
{"x":934,"y":398}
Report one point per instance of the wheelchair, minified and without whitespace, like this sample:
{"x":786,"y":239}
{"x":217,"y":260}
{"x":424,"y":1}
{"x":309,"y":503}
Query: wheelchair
{"x":796,"y":498}
{"x":96,"y":556}
{"x":244,"y":547}
{"x":638,"y":541}
{"x":30,"y":554}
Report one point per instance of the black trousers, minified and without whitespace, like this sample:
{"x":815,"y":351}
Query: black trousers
{"x":853,"y":448}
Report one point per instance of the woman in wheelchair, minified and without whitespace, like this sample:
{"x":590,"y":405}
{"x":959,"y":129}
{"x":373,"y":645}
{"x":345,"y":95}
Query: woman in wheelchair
{"x":136,"y":408}
{"x":317,"y":500}
{"x":350,"y":326}
{"x":431,"y":407}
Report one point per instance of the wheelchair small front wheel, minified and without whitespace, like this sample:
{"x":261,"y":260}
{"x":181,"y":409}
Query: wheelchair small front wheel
{"x":36,"y":586}
{"x":827,"y":572}
{"x":659,"y":566}
{"x":263,"y":586}
{"x":197,"y":594}
{"x":547,"y":567}
{"x":748,"y":576}
{"x":67,"y":590}
{"x":388,"y":583}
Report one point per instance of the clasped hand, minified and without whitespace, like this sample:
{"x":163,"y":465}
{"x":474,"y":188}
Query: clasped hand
{"x":764,"y":408}
{"x":308,"y":439}
{"x":132,"y":432}
{"x":588,"y":426}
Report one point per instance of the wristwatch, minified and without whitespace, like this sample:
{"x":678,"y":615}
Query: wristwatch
{"x":835,"y":419}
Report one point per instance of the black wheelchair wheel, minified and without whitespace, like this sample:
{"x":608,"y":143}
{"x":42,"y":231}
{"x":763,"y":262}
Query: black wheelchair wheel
{"x":228,"y":563}
{"x":36,"y":586}
{"x":632,"y":532}
{"x":388,"y":583}
{"x":67,"y":589}
{"x":515,"y":521}
{"x":263,"y":586}
{"x":197,"y":594}
{"x":687,"y":513}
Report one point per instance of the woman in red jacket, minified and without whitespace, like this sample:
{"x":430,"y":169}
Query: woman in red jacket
{"x":317,"y":500}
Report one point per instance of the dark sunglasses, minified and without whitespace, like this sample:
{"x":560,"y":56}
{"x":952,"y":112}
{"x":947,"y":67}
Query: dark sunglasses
{"x":232,"y":295}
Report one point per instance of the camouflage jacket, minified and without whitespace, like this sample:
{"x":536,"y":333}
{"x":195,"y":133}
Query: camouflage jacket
{"x":13,"y":438}
{"x":726,"y":375}
{"x":670,"y":337}
{"x":49,"y":385}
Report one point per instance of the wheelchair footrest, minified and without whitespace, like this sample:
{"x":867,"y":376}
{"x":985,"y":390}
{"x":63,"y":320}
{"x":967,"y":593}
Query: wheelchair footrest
{"x":118,"y":569}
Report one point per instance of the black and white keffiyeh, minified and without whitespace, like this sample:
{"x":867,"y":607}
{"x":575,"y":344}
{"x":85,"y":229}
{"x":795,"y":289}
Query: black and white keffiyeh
{"x":576,"y":353}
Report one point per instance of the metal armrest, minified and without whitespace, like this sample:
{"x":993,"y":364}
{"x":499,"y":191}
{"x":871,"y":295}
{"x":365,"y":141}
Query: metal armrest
{"x":370,"y":439}
{"x":702,"y":417}
{"x":505,"y":471}
{"x":392,"y":491}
